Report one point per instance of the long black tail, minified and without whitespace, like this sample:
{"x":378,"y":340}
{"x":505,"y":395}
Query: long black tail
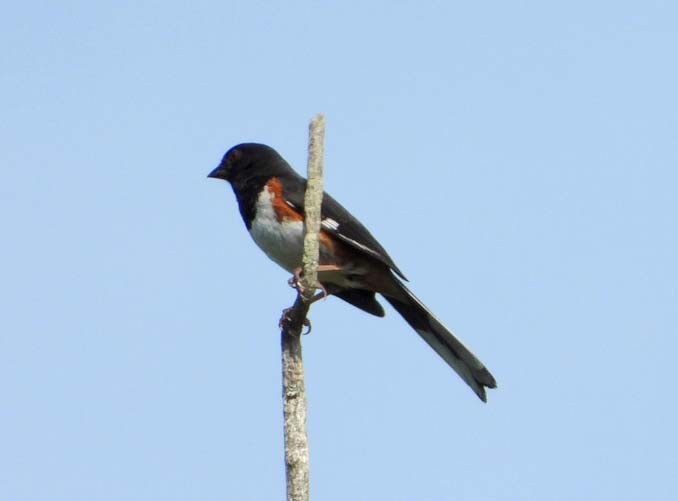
{"x":471,"y":370}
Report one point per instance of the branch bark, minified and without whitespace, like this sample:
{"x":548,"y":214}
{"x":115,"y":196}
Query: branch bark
{"x":294,"y":390}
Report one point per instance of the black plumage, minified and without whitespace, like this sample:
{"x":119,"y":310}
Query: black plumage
{"x":365,"y":266}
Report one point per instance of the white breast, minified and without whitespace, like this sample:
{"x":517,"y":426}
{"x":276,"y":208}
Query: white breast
{"x":281,"y":241}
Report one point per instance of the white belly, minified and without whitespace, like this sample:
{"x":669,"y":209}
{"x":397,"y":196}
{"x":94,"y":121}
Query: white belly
{"x":281,"y":241}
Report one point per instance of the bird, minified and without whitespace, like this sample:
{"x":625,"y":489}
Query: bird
{"x":353,"y":265}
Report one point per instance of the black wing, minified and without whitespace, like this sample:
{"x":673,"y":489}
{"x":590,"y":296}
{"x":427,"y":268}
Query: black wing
{"x":339,"y":222}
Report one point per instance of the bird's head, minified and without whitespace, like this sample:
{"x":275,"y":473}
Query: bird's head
{"x":246,"y":161}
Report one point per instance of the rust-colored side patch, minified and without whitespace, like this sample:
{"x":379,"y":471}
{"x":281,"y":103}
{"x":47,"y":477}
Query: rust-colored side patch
{"x":327,"y":242}
{"x":281,"y":209}
{"x":284,"y":212}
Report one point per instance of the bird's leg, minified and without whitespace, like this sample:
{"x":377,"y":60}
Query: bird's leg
{"x":294,"y":279}
{"x":324,"y":268}
{"x":295,"y":282}
{"x":328,"y":267}
{"x":320,"y":295}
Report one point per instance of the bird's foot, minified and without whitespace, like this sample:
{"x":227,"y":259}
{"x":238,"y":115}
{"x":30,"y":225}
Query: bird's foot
{"x":286,"y":320}
{"x":295,"y":282}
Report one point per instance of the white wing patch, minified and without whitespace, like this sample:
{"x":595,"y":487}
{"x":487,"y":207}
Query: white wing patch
{"x":360,"y":246}
{"x":330,"y":224}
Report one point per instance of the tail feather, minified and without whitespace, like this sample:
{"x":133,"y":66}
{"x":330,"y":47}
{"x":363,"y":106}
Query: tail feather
{"x":438,"y":337}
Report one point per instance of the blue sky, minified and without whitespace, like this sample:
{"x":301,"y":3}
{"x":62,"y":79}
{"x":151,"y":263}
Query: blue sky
{"x":517,"y":159}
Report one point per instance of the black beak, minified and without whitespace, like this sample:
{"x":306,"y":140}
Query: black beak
{"x":218,"y":173}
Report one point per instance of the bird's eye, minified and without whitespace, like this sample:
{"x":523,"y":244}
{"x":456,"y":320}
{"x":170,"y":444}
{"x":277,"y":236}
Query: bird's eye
{"x":234,"y":156}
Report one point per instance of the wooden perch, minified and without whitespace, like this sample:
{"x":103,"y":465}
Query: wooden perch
{"x":294,"y":390}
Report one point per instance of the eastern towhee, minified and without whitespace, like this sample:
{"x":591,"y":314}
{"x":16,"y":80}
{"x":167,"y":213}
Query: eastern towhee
{"x":271,"y":200}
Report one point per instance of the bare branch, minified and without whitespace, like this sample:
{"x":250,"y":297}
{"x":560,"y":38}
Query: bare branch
{"x":294,"y":390}
{"x":312,"y":202}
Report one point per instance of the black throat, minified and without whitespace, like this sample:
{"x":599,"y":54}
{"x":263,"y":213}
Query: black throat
{"x":247,"y":192}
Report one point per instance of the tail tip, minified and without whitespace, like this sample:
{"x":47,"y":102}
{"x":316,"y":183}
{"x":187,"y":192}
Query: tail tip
{"x":484,"y":380}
